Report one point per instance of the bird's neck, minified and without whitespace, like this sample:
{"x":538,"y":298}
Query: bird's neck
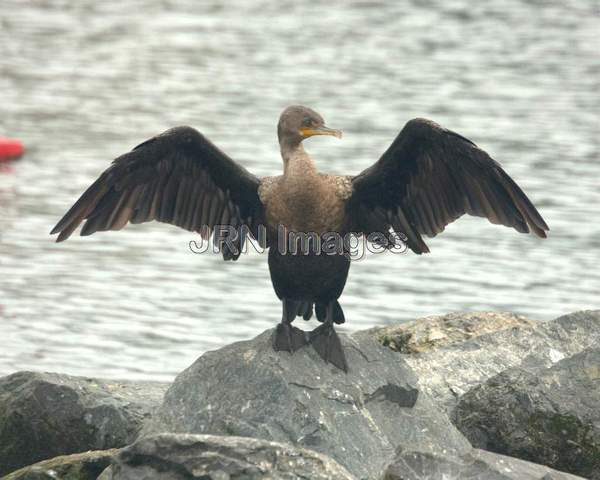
{"x":296,"y":162}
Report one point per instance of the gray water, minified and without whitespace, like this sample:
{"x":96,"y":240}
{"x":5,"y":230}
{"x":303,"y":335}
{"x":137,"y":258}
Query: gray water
{"x":82,"y":82}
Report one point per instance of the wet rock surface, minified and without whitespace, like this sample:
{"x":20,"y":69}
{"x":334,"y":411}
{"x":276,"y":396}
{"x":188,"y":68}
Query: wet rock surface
{"x":358,"y":418}
{"x":210,"y":457}
{"x":78,"y":466}
{"x":43,"y":415}
{"x":454,"y":353}
{"x":475,"y":465}
{"x":551,"y":416}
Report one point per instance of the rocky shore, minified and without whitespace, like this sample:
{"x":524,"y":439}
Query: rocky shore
{"x":478,"y":396}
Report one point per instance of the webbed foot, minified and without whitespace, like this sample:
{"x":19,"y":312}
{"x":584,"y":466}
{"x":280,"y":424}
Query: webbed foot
{"x":288,"y":338}
{"x":327,"y":344}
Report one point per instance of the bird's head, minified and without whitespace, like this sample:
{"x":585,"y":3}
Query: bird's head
{"x":297,"y":123}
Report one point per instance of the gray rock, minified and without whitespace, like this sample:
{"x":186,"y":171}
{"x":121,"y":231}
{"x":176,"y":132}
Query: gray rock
{"x":550,"y":417}
{"x":209,"y":457}
{"x":426,"y":334}
{"x":475,"y":465}
{"x":79,"y":466}
{"x":453,"y":353}
{"x":43,"y":415}
{"x":358,"y":418}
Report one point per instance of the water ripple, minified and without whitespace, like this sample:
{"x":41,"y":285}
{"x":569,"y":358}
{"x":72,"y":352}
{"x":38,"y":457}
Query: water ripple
{"x":82,"y":82}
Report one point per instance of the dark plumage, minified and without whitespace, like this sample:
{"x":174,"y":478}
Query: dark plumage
{"x":427,"y":178}
{"x":178,"y":177}
{"x":430,"y":176}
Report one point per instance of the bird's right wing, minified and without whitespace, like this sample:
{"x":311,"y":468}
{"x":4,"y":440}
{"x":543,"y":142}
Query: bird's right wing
{"x":178,"y":177}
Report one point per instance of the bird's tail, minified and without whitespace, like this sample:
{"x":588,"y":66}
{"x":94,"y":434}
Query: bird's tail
{"x":338,"y":313}
{"x":297,"y":308}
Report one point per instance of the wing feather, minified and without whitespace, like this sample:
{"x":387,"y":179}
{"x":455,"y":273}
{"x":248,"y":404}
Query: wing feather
{"x":178,"y":177}
{"x":429,"y":177}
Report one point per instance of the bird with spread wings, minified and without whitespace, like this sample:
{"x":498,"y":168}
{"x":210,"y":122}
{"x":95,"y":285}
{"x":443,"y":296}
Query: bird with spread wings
{"x":427,"y":178}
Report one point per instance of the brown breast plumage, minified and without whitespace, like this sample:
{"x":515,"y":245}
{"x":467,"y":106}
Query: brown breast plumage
{"x":312,"y":203}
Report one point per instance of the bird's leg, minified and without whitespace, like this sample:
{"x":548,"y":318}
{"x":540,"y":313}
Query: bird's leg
{"x":326,"y":342}
{"x":286,"y":337}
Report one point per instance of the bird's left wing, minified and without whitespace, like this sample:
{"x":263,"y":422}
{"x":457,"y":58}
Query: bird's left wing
{"x":427,"y":178}
{"x":178,"y":177}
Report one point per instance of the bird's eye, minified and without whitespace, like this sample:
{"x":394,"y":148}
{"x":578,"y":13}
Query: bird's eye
{"x":307,"y":122}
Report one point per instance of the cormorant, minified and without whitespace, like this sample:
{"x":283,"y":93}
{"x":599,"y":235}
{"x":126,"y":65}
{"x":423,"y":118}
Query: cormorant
{"x":428,"y":177}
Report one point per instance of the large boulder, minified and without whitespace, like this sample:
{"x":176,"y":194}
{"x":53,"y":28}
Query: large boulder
{"x":551,"y":416}
{"x":430,"y":333}
{"x":475,"y":465}
{"x":43,"y":415}
{"x":357,"y":418}
{"x":210,"y":457}
{"x":78,"y":466}
{"x":451,"y":354}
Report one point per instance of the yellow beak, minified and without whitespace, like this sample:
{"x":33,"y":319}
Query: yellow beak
{"x":323,"y":130}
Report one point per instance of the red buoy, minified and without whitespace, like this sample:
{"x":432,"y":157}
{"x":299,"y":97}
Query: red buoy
{"x":10,"y":148}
